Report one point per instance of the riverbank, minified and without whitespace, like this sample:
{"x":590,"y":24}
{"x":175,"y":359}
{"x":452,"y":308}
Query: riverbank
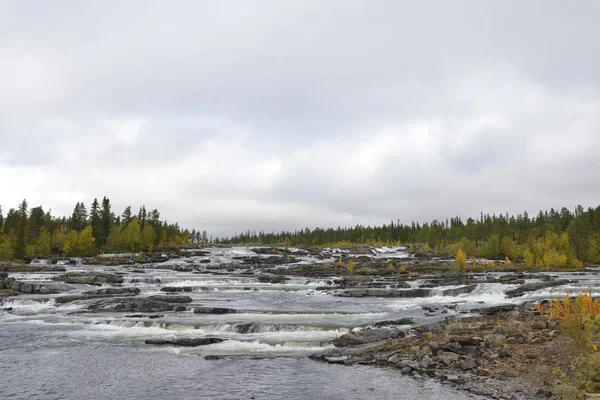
{"x":507,"y":353}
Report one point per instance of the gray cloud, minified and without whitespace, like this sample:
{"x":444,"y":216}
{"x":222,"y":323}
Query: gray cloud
{"x":313,"y":113}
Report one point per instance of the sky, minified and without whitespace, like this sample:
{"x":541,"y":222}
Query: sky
{"x":268,"y":115}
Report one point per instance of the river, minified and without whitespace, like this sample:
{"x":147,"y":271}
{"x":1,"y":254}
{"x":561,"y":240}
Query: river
{"x":55,"y":350}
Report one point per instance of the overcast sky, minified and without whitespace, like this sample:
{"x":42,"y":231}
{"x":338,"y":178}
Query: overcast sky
{"x":270,"y":115}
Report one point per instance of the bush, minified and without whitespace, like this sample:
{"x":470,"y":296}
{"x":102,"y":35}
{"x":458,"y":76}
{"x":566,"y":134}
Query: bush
{"x":579,"y":319}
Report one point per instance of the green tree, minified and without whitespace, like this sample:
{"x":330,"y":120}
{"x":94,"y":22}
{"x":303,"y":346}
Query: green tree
{"x":6,"y":248}
{"x":70,"y":242}
{"x":107,"y":218}
{"x":20,"y":241}
{"x":43,"y":244}
{"x":126,"y":216}
{"x":148,"y":237}
{"x":85,"y":242}
{"x":96,"y":222}
{"x":131,"y":236}
{"x":113,"y":242}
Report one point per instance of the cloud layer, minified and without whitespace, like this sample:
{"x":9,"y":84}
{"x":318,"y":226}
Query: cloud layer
{"x":271,"y":116}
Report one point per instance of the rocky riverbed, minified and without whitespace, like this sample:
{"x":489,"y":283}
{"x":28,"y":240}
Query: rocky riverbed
{"x":411,"y":314}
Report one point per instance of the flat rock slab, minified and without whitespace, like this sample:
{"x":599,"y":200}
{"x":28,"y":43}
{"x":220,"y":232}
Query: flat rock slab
{"x":100,"y":293}
{"x":408,"y":293}
{"x":171,"y":299}
{"x":187,"y":342}
{"x":214,"y":310}
{"x":532,"y":287}
{"x":88,"y":278}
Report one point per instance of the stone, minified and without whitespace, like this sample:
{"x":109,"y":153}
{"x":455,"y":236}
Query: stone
{"x":467,"y":363}
{"x":337,"y":360}
{"x":448,"y":358}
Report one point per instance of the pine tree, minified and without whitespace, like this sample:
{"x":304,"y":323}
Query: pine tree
{"x":96,"y":223}
{"x":20,"y":244}
{"x":106,"y":217}
{"x":142,"y":217}
{"x":126,"y":216}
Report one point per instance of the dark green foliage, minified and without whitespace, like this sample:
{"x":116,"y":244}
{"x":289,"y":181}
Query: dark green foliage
{"x":35,"y":233}
{"x":496,"y":236}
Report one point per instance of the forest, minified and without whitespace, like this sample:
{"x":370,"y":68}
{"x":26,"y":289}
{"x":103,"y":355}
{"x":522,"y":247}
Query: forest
{"x":549,"y":239}
{"x":27,"y":233}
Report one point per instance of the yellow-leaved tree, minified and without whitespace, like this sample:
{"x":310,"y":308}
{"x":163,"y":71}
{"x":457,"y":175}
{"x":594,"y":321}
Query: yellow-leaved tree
{"x":461,"y":259}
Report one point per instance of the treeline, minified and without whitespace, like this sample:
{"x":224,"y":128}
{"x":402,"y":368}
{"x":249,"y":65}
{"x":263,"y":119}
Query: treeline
{"x":549,"y":239}
{"x":27,"y":233}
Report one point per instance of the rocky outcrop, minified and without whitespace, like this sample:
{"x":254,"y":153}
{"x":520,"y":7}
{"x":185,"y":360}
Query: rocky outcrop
{"x":488,"y":355}
{"x":135,"y":305}
{"x":533,"y":286}
{"x":170,"y":299}
{"x":93,"y":278}
{"x":12,"y":286}
{"x":100,"y":293}
{"x":385,"y":293}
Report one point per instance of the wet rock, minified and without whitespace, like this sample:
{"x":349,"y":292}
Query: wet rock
{"x":170,"y":299}
{"x":176,"y":289}
{"x":408,"y":293}
{"x":458,"y":291}
{"x":337,"y":360}
{"x":401,"y":321}
{"x":188,"y":342}
{"x":533,"y":286}
{"x":516,"y":279}
{"x":88,"y":278}
{"x":214,"y":310}
{"x":151,"y":316}
{"x":92,"y":294}
{"x":494,"y":310}
{"x":135,"y":305}
{"x":269,"y":278}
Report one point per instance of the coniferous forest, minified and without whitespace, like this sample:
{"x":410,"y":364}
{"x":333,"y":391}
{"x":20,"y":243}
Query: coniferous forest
{"x":28,"y":233}
{"x":550,"y":239}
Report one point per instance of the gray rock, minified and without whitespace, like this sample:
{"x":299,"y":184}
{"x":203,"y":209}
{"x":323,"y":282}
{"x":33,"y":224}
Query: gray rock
{"x":188,"y":342}
{"x":176,"y":289}
{"x":214,"y":310}
{"x":448,"y":358}
{"x":88,"y":278}
{"x":171,"y":299}
{"x":467,"y":363}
